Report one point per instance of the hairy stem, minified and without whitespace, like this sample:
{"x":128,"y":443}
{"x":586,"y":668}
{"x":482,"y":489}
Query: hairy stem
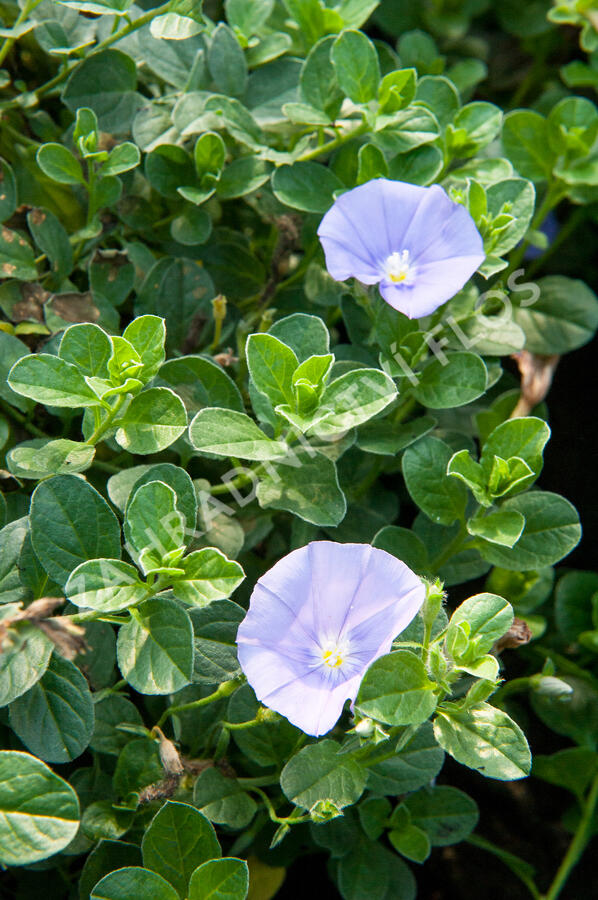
{"x":224,"y":690}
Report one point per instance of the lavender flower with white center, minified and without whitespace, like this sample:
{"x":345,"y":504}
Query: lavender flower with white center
{"x":316,"y":621}
{"x":415,"y":242}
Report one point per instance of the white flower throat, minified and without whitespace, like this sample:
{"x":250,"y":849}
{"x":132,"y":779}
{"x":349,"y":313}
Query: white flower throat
{"x":398,"y":268}
{"x":334,"y":653}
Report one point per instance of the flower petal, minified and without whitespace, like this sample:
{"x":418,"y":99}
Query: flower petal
{"x":351,"y":594}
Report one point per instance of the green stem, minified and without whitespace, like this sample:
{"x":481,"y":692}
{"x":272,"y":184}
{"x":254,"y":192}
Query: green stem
{"x":105,"y":425}
{"x":514,"y":863}
{"x":92,"y":614}
{"x":577,"y":845}
{"x":22,"y":420}
{"x":453,"y":548}
{"x":22,"y":17}
{"x":103,"y":45}
{"x":329,"y":146}
{"x":553,"y":197}
{"x":258,"y":781}
{"x":224,"y":690}
{"x":514,"y":686}
{"x":294,"y":819}
{"x":229,"y":486}
{"x":238,"y":726}
{"x":566,"y":231}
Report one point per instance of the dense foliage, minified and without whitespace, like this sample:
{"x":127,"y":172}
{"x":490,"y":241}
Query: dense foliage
{"x":187,"y":395}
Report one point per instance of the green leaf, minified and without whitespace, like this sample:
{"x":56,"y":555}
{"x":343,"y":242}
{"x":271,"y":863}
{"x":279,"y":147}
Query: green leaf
{"x":105,"y":82}
{"x":485,"y":739}
{"x":225,"y":432}
{"x":147,"y":334}
{"x":410,"y":841}
{"x":271,"y":366}
{"x":370,"y":164}
{"x":167,"y":167}
{"x":110,"y":712}
{"x":177,"y":841}
{"x":396,"y":90}
{"x":502,"y":526}
{"x":51,"y":380}
{"x":572,"y":126}
{"x":248,"y":16}
{"x":563,"y":318}
{"x":226,"y":62}
{"x":446,"y":814}
{"x":17,"y":259}
{"x":223,"y":800}
{"x":199,"y":382}
{"x":267,"y":743}
{"x":525,"y":140}
{"x":152,"y":422}
{"x":573,"y":603}
{"x":353,"y":399}
{"x":308,"y":186}
{"x":568,"y":705}
{"x":551,"y":531}
{"x":87,"y":347}
{"x":318,"y":82}
{"x":154,"y":527}
{"x":209,"y":576}
{"x":305,"y":483}
{"x":108,"y":585}
{"x":415,"y":765}
{"x":318,"y":772}
{"x":357,"y":67}
{"x":242,"y":176}
{"x":25,"y":656}
{"x":8,"y":191}
{"x":305,"y":335}
{"x":121,"y":159}
{"x":59,"y":164}
{"x":516,"y":197}
{"x":441,"y":497}
{"x":474,"y":126}
{"x":209,"y":154}
{"x":572,"y":768}
{"x":192,"y":227}
{"x":215,"y":632}
{"x":155,"y":648}
{"x":138,"y":766}
{"x":103,"y":859}
{"x":55,"y":718}
{"x":440,"y":95}
{"x":174,"y":476}
{"x":487,"y":617}
{"x":460,"y":380}
{"x":403,"y":544}
{"x":524,"y":438}
{"x":39,"y":458}
{"x":220,"y":879}
{"x":39,"y":811}
{"x":385,"y":438}
{"x":11,"y":350}
{"x":52,"y":239}
{"x":371,"y":872}
{"x":172,"y":27}
{"x":133,"y":882}
{"x":396,"y":690}
{"x":421,"y":165}
{"x":71,"y":523}
{"x":104,"y":819}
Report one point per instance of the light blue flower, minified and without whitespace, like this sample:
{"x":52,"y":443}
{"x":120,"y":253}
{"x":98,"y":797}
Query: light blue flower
{"x":316,"y":621}
{"x":415,"y":242}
